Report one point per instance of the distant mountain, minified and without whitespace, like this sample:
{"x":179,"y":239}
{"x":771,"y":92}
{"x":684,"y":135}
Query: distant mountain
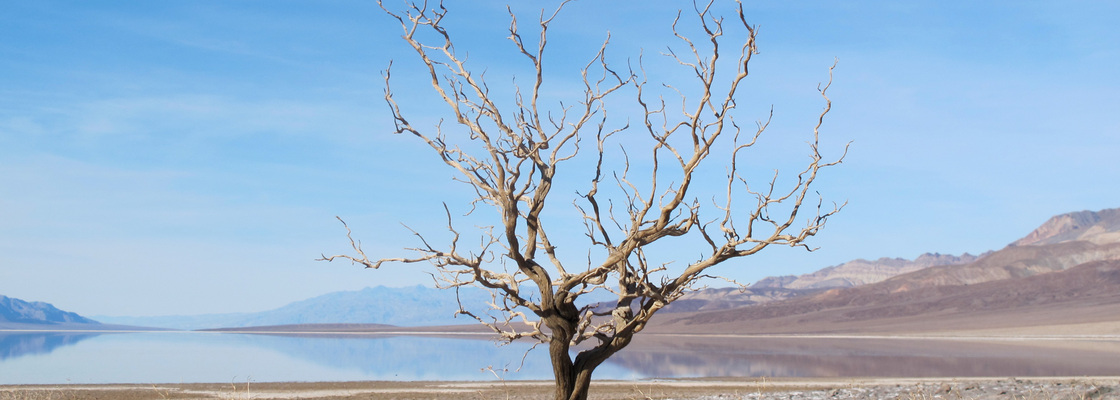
{"x":1096,"y":227}
{"x":16,"y":311}
{"x":850,"y":274}
{"x":731,"y":297}
{"x":409,"y":306}
{"x":1080,"y":296}
{"x":861,"y":272}
{"x":1062,"y":242}
{"x":1066,"y":270}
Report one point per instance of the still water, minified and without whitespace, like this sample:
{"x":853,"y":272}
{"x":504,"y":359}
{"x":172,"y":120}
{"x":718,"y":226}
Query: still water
{"x":171,"y":357}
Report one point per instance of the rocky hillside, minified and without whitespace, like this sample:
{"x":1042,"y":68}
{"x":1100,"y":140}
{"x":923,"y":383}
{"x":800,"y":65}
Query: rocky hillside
{"x":849,"y":274}
{"x":1062,"y":242}
{"x":1082,"y":295}
{"x":1067,"y":270}
{"x":862,"y":272}
{"x":1096,"y":227}
{"x":732,"y":297}
{"x":17,"y":311}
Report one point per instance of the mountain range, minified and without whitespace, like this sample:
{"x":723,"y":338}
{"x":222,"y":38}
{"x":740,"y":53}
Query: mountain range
{"x":16,"y":311}
{"x":1065,"y":272}
{"x":408,"y":306}
{"x":849,"y":274}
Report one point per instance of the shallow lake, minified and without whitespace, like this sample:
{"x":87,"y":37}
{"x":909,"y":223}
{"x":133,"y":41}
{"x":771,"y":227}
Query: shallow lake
{"x":172,"y":357}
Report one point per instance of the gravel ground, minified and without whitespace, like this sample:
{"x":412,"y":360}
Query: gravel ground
{"x":983,"y":390}
{"x":698,"y":389}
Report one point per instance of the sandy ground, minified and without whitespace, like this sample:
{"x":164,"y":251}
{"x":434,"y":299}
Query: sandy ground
{"x":694,"y":389}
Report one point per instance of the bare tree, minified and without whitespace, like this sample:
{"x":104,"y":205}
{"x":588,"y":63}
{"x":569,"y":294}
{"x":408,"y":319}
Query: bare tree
{"x":511,"y":157}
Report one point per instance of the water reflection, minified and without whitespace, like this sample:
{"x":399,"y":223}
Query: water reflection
{"x":22,"y":344}
{"x":214,"y":357}
{"x":409,"y":357}
{"x":680,"y":357}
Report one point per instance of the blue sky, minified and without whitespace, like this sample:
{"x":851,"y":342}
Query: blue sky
{"x":182,"y":157}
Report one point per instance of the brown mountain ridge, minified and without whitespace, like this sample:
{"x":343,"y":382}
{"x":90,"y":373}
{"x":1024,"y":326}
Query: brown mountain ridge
{"x":850,"y":274}
{"x":1065,"y":272}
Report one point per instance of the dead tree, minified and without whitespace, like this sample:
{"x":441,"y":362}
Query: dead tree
{"x":511,"y":157}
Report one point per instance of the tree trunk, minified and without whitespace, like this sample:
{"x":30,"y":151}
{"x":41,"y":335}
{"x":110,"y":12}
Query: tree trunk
{"x":582,"y":384}
{"x":562,"y":368}
{"x":573,"y":379}
{"x":572,"y":383}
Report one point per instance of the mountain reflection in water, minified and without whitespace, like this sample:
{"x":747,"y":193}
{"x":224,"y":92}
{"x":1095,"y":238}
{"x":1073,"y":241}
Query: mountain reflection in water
{"x":222,"y":357}
{"x":21,"y":344}
{"x":698,"y":356}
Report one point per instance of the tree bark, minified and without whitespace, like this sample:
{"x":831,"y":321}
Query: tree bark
{"x":573,"y":377}
{"x":562,"y":368}
{"x":572,"y":380}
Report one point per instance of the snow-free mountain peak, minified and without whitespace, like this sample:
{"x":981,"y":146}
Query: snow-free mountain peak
{"x":13,"y":310}
{"x":1098,"y":227}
